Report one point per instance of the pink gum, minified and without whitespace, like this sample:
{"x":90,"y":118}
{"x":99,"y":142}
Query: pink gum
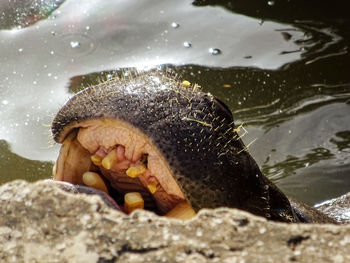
{"x":121,"y":153}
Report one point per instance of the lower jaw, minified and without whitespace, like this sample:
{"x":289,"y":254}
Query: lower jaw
{"x":181,"y":211}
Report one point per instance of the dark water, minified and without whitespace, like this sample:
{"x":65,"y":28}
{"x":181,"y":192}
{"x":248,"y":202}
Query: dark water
{"x":283,"y":67}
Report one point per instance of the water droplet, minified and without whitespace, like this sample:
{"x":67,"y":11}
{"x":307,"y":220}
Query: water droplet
{"x":53,"y":33}
{"x":34,"y":82}
{"x":187,"y":44}
{"x":74,"y":44}
{"x":87,"y":28}
{"x":20,"y":49}
{"x":271,"y":3}
{"x":174,"y":25}
{"x":52,"y":52}
{"x":214,"y":51}
{"x":77,"y":44}
{"x":49,"y":74}
{"x":5,"y":102}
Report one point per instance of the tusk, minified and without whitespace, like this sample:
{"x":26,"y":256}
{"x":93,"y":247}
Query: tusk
{"x":94,"y":180}
{"x":182,"y":211}
{"x":110,"y":159}
{"x":136,"y":170}
{"x":133,"y":201}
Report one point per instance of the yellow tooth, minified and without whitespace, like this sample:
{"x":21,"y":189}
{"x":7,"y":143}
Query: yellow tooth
{"x":132,"y":201}
{"x":94,"y":180}
{"x":136,"y":170}
{"x":182,"y":211}
{"x":96,"y":159}
{"x":110,"y":159}
{"x":153,"y":187}
{"x":54,"y":168}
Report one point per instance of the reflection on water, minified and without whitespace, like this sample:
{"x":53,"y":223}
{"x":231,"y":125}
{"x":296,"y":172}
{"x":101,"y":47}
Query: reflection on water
{"x":281,"y":67}
{"x":20,"y":14}
{"x":342,"y":141}
{"x":288,"y":166}
{"x":14,"y":166}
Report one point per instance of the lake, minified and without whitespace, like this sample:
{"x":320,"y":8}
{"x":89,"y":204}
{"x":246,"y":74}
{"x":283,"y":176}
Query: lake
{"x":283,"y":68}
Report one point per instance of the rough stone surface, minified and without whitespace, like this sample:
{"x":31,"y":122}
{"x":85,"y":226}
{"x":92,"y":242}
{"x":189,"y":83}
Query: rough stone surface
{"x":337,"y":208}
{"x":41,"y":223}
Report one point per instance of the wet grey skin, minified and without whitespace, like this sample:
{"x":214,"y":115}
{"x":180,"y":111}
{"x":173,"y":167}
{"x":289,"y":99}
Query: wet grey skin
{"x":195,"y":133}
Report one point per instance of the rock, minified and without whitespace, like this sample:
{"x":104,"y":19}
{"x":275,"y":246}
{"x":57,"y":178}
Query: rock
{"x":41,"y":223}
{"x":337,"y":208}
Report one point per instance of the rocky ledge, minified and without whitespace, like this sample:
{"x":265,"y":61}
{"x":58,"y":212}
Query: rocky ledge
{"x":41,"y":223}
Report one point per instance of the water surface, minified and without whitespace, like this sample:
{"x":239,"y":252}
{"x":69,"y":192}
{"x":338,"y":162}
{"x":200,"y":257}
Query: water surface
{"x":281,"y":66}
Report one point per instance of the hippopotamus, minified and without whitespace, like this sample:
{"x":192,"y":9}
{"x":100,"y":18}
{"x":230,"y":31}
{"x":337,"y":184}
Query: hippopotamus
{"x":152,"y":141}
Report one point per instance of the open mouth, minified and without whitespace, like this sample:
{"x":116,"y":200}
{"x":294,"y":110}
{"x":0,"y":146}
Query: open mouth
{"x":117,"y":158}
